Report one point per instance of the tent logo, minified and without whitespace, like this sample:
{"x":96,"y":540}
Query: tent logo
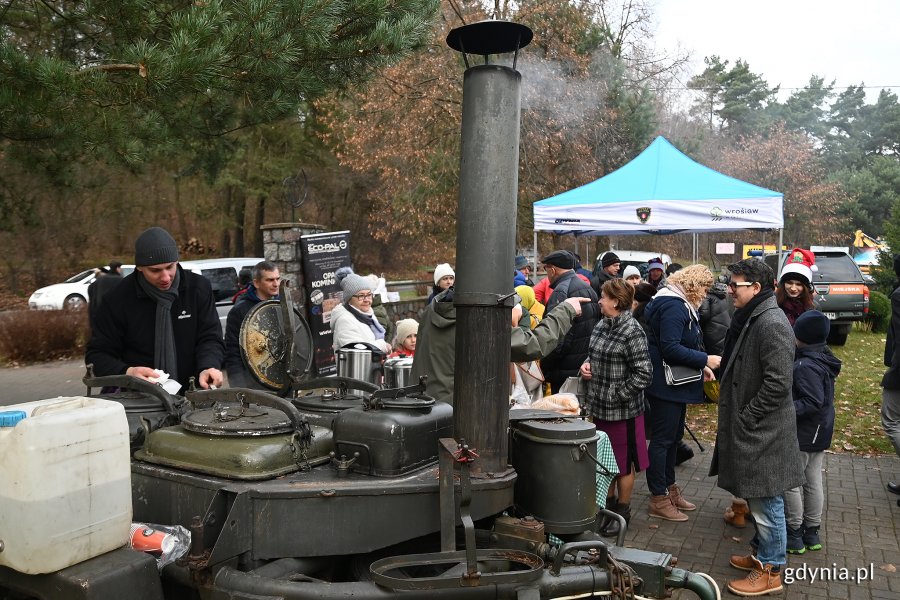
{"x":643,"y":214}
{"x":716,"y":213}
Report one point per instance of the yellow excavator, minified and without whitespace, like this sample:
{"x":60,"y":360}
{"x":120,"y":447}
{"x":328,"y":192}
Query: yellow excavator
{"x":866,"y":249}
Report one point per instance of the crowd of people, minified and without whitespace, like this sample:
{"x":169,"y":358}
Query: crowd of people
{"x":663,"y":340}
{"x":645,"y":346}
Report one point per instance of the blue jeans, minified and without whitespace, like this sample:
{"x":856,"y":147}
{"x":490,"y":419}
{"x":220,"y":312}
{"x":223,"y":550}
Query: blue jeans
{"x":666,"y":430}
{"x":768,"y":519}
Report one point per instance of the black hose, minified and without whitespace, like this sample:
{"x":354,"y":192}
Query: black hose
{"x":572,"y":580}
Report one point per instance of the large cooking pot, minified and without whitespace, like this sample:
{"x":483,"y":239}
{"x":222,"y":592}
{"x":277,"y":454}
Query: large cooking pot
{"x":360,"y":361}
{"x":396,"y":371}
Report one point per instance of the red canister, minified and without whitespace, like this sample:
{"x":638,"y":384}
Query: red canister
{"x":147,"y":539}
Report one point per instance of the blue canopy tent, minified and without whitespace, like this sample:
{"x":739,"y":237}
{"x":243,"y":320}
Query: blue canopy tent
{"x":660,"y":191}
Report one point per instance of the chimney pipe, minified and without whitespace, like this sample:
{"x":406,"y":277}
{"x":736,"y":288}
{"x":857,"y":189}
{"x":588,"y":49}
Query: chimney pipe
{"x":485,"y":241}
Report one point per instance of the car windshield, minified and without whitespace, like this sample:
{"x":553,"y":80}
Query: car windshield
{"x":836,"y":267}
{"x":81,"y":276}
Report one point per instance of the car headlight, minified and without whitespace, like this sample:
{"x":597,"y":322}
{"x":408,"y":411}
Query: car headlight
{"x":35,"y":296}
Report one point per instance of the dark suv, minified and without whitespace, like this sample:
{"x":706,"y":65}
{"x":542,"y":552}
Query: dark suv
{"x":841,"y":291}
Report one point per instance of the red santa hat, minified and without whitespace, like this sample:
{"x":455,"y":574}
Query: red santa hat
{"x":800,"y":265}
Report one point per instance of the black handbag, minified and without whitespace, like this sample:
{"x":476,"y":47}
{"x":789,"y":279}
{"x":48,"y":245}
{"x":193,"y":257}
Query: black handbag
{"x":679,"y":374}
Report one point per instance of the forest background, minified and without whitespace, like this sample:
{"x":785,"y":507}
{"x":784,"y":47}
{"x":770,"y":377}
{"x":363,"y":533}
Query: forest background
{"x":210,"y":118}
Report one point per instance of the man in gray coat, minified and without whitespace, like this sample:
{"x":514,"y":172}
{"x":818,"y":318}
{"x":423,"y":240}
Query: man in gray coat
{"x":756,"y":455}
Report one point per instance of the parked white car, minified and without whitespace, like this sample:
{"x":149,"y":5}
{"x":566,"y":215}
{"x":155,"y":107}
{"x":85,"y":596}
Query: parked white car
{"x":222,"y":274}
{"x":70,"y":294}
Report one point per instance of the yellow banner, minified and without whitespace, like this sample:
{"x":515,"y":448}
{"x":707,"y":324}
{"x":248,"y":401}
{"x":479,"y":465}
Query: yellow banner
{"x":770,"y":249}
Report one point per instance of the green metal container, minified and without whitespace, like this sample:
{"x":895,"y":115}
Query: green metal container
{"x":243,"y":457}
{"x":557,"y":478}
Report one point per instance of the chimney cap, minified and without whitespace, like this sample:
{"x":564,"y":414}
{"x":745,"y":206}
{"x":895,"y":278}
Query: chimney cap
{"x":489,"y":37}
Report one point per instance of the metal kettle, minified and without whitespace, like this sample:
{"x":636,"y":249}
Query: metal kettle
{"x":397,"y":371}
{"x":360,"y":361}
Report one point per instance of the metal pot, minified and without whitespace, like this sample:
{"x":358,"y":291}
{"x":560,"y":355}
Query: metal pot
{"x":396,"y":371}
{"x":355,"y":361}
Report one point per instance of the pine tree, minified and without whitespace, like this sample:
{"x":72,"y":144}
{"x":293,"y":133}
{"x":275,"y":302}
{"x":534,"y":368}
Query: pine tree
{"x":130,"y":78}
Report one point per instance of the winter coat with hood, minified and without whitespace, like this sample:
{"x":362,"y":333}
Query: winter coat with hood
{"x":676,"y":338}
{"x":572,"y":351}
{"x":715,"y":318}
{"x":891,"y":379}
{"x":815,"y":369}
{"x":436,"y":343}
{"x":756,"y":453}
{"x":124,"y":332}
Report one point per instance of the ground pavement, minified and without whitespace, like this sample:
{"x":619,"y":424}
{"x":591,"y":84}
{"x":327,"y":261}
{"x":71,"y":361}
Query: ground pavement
{"x":860,"y":530}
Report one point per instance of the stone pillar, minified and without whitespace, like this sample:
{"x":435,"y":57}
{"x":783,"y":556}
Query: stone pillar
{"x":281,"y":245}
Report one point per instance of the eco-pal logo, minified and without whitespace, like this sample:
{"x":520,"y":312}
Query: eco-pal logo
{"x":313,"y":248}
{"x":716,"y":213}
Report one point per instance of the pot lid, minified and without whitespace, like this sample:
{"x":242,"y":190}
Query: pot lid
{"x":271,"y":356}
{"x":237,"y":420}
{"x":332,"y":401}
{"x":402,"y":362}
{"x":567,"y":429}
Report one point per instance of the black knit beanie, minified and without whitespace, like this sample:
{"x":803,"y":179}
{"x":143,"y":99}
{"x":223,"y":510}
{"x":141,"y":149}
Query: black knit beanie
{"x":155,"y":247}
{"x":812,"y":327}
{"x":610,"y":258}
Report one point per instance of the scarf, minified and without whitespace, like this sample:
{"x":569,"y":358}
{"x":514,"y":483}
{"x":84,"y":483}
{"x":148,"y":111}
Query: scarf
{"x":676,"y":291}
{"x":165,"y":356}
{"x":738,"y":321}
{"x":369,"y":320}
{"x":792,"y":308}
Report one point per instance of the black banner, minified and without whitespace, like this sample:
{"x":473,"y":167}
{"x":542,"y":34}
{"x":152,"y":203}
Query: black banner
{"x":323,"y":254}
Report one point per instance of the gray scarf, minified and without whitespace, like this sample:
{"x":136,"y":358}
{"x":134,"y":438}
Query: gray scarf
{"x":164,"y":354}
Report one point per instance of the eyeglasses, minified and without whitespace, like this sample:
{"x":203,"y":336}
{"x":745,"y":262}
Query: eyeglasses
{"x":734,"y":285}
{"x":368,"y":296}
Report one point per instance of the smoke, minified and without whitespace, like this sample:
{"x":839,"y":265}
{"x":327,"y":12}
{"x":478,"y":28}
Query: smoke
{"x":566,"y":92}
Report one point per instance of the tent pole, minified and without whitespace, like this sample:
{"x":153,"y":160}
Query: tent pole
{"x":780,"y":251}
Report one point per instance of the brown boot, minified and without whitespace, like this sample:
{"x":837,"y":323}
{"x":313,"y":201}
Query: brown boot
{"x":678,"y":500}
{"x":661,"y":507}
{"x":736,"y":514}
{"x":744,"y":563}
{"x":761,"y":580}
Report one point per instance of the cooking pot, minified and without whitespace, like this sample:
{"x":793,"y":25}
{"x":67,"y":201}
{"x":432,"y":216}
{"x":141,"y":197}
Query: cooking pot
{"x":359,"y":361}
{"x":396,"y":371}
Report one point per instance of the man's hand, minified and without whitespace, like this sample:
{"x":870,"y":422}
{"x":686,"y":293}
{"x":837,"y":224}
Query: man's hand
{"x":576,"y":304}
{"x":145,"y":373}
{"x":713,"y":361}
{"x":708,"y":375}
{"x":210,"y":377}
{"x":585,"y":370}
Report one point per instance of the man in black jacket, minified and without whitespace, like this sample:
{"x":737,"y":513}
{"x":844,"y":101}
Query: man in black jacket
{"x":160,"y":317}
{"x":566,"y":358}
{"x":265,"y":281}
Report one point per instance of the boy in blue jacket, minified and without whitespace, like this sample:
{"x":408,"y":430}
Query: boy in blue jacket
{"x":815,"y":369}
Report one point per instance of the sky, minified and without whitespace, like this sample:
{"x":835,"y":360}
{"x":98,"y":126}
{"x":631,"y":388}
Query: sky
{"x":786,"y":41}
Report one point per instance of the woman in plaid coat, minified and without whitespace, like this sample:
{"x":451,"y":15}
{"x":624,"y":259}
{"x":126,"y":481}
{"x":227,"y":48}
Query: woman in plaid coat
{"x":618,"y":369}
